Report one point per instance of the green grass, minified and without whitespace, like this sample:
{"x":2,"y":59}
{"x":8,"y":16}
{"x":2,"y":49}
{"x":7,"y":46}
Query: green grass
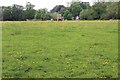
{"x":70,"y":49}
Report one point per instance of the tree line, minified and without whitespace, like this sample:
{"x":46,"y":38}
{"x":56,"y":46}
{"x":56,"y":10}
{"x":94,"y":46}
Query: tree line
{"x":98,"y":11}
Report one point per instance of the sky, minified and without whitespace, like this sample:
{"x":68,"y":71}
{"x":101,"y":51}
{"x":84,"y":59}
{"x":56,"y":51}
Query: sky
{"x":49,"y":4}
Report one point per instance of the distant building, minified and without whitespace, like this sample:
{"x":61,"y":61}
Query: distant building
{"x":56,"y":10}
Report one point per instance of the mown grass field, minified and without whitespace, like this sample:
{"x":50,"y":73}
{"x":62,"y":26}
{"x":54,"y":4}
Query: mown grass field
{"x":68,"y":49}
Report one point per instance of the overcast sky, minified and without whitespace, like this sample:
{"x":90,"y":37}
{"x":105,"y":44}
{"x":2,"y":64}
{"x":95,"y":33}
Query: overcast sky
{"x":49,"y":4}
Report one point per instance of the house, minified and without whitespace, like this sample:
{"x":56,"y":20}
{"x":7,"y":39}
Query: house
{"x":56,"y":10}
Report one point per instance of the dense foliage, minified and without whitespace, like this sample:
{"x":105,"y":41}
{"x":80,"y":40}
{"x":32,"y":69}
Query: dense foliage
{"x":98,"y":11}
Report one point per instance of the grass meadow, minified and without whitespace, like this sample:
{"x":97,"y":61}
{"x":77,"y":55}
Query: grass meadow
{"x":65,"y":49}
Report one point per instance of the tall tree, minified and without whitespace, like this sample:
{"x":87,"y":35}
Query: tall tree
{"x":87,"y":14}
{"x":17,"y":12}
{"x":54,"y":16}
{"x":75,"y":9}
{"x":43,"y":14}
{"x":112,"y":10}
{"x":30,"y":11}
{"x":85,"y":5}
{"x":7,"y":13}
{"x":1,"y":13}
{"x":66,"y":13}
{"x":100,"y":9}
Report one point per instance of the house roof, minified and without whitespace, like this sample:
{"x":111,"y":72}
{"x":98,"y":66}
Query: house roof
{"x":57,"y":8}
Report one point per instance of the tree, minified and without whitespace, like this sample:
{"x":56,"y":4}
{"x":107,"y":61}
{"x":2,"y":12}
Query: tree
{"x":112,"y":10}
{"x":100,"y":9}
{"x":17,"y":12}
{"x":66,"y":13}
{"x":48,"y":16}
{"x":7,"y":13}
{"x":1,"y":14}
{"x":30,"y":11}
{"x":62,"y":11}
{"x":119,"y":10}
{"x":75,"y":9}
{"x":85,"y":5}
{"x":87,"y":14}
{"x":54,"y":16}
{"x":43,"y":14}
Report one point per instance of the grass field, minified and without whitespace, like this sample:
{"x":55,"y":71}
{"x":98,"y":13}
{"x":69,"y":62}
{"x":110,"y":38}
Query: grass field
{"x":70,"y":49}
